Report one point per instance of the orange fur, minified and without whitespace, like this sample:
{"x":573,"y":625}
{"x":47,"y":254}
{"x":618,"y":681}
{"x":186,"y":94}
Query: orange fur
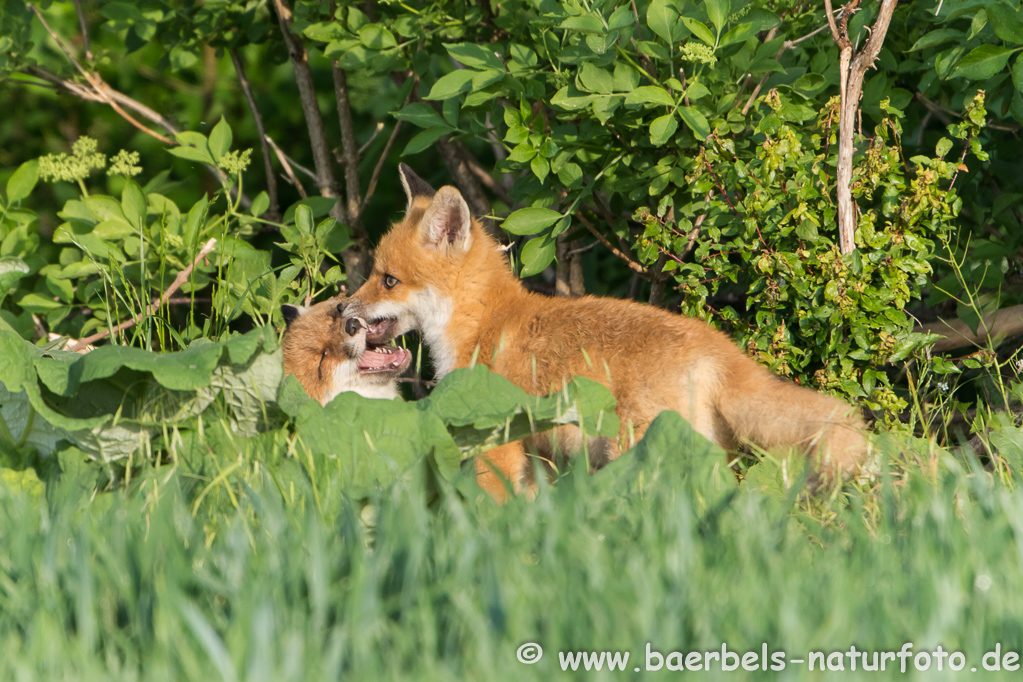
{"x":455,"y":285}
{"x":324,"y":356}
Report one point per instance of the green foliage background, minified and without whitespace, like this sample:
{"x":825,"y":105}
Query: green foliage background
{"x":173,"y":508}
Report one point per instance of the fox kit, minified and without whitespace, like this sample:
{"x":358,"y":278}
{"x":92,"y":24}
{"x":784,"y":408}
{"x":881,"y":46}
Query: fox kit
{"x":329,"y":353}
{"x":439,"y":272}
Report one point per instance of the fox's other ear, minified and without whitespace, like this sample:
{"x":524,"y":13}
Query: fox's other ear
{"x":414,"y":185}
{"x":291,"y":313}
{"x":446,"y":223}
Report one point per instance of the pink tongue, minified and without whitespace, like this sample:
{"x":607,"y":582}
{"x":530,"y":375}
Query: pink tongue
{"x":372,"y":359}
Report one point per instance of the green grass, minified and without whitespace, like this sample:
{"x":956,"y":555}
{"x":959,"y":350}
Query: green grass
{"x":263,"y":576}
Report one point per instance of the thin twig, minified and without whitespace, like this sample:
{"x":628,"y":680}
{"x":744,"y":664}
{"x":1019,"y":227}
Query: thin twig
{"x":636,"y":267}
{"x":292,"y":162}
{"x":97,"y":83}
{"x":787,"y":45}
{"x":367,"y":143}
{"x":488,"y":181}
{"x":264,"y":147}
{"x":85,"y":30}
{"x":89,"y":94}
{"x":372,"y":187}
{"x":155,"y":305}
{"x":285,"y":161}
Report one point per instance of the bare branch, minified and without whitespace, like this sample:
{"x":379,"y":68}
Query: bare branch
{"x":264,"y":147}
{"x":97,"y":83}
{"x":178,"y":282}
{"x":85,"y":30}
{"x":349,"y":147}
{"x":568,"y":279}
{"x":356,"y":256}
{"x":283,"y":158}
{"x":367,"y":143}
{"x":633,"y":265}
{"x":852,"y":68}
{"x":829,"y":14}
{"x":371,"y":188}
{"x":956,"y":333}
{"x":787,"y":45}
{"x":488,"y":181}
{"x":307,"y":96}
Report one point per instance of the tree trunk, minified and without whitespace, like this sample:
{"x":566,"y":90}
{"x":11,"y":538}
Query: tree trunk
{"x":852,"y":68}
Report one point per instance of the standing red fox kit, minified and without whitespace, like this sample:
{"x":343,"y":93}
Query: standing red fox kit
{"x":439,"y":272}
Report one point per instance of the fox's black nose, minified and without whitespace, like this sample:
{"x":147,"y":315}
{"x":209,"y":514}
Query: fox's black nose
{"x":341,"y":308}
{"x":352,"y":326}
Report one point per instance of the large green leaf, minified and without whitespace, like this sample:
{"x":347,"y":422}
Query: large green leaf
{"x":451,"y":84}
{"x":374,"y":442}
{"x":983,"y":62}
{"x":650,"y":94}
{"x":475,"y":56}
{"x":718,"y":11}
{"x":220,"y":139}
{"x":12,"y":269}
{"x":662,"y":17}
{"x":484,"y":409}
{"x":662,"y":128}
{"x":1006,"y":22}
{"x":21,"y":183}
{"x":530,"y":220}
{"x":696,"y":121}
{"x":421,"y":114}
{"x":537,"y":254}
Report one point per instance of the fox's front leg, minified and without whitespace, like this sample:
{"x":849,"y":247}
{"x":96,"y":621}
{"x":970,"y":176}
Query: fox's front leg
{"x":503,"y":466}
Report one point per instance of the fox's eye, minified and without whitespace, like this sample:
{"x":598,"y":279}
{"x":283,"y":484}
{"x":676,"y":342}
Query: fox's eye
{"x":390,"y":281}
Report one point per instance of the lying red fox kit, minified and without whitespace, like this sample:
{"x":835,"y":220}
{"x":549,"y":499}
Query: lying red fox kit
{"x":328,"y":353}
{"x":439,"y":272}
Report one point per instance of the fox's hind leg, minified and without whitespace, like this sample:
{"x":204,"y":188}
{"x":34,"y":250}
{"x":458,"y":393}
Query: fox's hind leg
{"x":503,"y":467}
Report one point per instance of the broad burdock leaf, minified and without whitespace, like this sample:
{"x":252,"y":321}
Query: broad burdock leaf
{"x":595,"y":79}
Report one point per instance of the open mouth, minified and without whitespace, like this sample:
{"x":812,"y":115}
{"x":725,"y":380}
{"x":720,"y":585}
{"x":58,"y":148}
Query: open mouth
{"x":380,"y":330}
{"x":384,"y":359}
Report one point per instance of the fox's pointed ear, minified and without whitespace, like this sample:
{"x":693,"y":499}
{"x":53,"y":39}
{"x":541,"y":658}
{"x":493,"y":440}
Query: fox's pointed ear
{"x":446,"y":223}
{"x":291,"y":313}
{"x":414,"y":185}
